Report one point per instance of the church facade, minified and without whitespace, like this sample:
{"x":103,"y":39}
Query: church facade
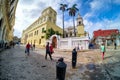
{"x":79,"y":29}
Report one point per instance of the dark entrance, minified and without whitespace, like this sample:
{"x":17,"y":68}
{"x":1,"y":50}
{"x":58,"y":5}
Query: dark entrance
{"x":54,"y":42}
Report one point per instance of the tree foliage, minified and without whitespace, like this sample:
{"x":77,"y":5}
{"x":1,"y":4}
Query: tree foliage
{"x":63,"y":8}
{"x":72,"y":12}
{"x":51,"y":32}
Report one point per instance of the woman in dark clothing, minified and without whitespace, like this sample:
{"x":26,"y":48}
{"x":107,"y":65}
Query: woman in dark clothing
{"x":115,"y":45}
{"x":74,"y":58}
{"x":48,"y":51}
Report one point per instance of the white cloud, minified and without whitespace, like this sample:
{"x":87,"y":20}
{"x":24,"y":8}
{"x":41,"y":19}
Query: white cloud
{"x":87,"y":15}
{"x":103,"y":24}
{"x":96,"y":4}
{"x":87,"y":24}
{"x":91,"y":26}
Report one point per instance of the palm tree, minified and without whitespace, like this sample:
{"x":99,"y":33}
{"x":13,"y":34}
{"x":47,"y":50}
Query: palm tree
{"x":63,"y":8}
{"x":72,"y":12}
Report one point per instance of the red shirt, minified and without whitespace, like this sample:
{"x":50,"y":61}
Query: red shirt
{"x":51,"y":49}
{"x":28,"y":46}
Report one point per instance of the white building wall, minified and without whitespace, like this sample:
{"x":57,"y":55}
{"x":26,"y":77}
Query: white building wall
{"x":73,"y":42}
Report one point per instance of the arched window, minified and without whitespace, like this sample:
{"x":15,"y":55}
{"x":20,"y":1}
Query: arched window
{"x":1,"y":21}
{"x":79,"y":22}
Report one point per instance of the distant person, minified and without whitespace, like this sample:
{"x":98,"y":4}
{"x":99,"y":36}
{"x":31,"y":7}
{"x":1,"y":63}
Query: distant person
{"x":91,"y":46}
{"x":78,"y":48}
{"x":103,"y":50}
{"x":115,"y":45}
{"x":13,"y":44}
{"x":18,"y":43}
{"x":28,"y":49}
{"x":33,"y":46}
{"x":48,"y":51}
{"x":5,"y":44}
{"x":74,"y":58}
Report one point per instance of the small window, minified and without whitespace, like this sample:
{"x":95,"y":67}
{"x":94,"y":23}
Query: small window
{"x":42,"y":30}
{"x":1,"y":21}
{"x":32,"y":34}
{"x":34,"y":41}
{"x":42,"y":36}
{"x":39,"y":41}
{"x":54,"y":21}
{"x":50,"y":18}
{"x":50,"y":12}
{"x":54,"y":15}
{"x":37,"y":32}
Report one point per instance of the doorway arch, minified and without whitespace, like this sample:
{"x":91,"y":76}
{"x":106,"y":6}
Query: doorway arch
{"x":54,"y":42}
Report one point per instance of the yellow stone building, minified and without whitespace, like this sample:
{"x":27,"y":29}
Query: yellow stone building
{"x":7,"y":19}
{"x":38,"y":31}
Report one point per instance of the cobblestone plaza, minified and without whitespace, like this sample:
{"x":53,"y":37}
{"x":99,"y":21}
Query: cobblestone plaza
{"x":15,"y":65}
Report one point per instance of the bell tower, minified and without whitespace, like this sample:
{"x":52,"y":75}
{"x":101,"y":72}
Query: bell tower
{"x":79,"y":20}
{"x":80,"y":26}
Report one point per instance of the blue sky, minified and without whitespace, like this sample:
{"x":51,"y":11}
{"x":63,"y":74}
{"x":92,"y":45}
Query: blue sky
{"x":96,"y":14}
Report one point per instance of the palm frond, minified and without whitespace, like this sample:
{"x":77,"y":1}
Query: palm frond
{"x":63,"y":7}
{"x":61,"y":4}
{"x":74,"y":5}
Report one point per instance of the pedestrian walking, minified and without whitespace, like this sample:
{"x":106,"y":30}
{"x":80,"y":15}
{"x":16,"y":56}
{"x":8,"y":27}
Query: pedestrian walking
{"x":28,"y":49}
{"x":102,"y":48}
{"x":34,"y":46}
{"x":74,"y":58}
{"x":78,"y":48}
{"x":115,"y":45}
{"x":13,"y":44}
{"x":31,"y":46}
{"x":48,"y":51}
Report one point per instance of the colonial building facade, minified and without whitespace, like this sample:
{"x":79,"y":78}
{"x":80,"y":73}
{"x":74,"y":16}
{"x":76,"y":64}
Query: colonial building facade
{"x":7,"y":19}
{"x":79,"y":29}
{"x":39,"y":31}
{"x":108,"y":36}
